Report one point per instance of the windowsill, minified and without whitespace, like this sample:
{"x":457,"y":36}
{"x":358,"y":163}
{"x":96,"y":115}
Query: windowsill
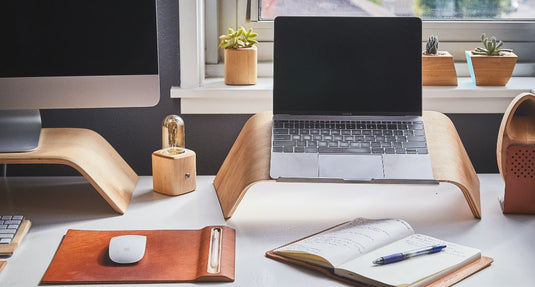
{"x":214,"y":97}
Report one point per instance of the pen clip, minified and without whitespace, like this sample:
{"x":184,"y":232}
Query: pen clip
{"x":214,"y":254}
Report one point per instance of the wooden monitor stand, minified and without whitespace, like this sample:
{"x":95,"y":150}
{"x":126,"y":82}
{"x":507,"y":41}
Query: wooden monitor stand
{"x":91,"y":155}
{"x":248,"y":161}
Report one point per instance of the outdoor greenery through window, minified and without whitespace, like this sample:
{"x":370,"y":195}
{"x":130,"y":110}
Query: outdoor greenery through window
{"x":426,"y":9}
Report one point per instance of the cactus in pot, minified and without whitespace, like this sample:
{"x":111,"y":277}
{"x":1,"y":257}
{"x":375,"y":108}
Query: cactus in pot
{"x":438,"y":68}
{"x":431,"y":48}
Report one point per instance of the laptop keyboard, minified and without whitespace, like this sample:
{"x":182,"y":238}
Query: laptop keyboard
{"x":355,"y":137}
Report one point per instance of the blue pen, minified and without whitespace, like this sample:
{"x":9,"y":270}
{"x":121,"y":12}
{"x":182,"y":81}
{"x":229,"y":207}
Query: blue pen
{"x":404,"y":255}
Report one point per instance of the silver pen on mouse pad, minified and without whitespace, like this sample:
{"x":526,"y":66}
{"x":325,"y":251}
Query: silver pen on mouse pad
{"x":404,"y":255}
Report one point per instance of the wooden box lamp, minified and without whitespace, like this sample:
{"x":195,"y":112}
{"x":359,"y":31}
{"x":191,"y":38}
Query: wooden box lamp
{"x":173,"y":167}
{"x":516,"y":155}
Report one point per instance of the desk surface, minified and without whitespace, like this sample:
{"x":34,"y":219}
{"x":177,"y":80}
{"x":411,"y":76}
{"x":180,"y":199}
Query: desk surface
{"x":270,"y":215}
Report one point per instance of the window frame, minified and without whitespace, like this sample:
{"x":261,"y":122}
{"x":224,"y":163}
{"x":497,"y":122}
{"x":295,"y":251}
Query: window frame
{"x":200,"y":60}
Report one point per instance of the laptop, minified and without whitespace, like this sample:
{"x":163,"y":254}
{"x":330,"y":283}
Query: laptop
{"x":347,"y":100}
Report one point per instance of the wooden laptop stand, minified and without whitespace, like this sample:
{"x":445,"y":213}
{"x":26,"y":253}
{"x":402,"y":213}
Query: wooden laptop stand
{"x":91,"y":155}
{"x":248,"y":161}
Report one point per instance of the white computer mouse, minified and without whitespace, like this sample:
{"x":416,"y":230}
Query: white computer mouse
{"x":127,"y":249}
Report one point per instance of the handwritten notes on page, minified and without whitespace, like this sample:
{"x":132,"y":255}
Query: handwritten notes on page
{"x":349,"y":240}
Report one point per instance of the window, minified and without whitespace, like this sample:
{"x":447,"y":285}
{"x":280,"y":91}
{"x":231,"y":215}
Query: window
{"x":458,"y":23}
{"x":201,"y":69}
{"x":266,"y":10}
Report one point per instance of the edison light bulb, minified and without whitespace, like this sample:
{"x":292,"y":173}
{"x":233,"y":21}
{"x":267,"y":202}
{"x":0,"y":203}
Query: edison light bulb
{"x":173,"y":141}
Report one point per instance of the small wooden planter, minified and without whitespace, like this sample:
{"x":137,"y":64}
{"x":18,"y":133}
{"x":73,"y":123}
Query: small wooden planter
{"x":240,"y":66}
{"x":515,"y":153}
{"x":438,"y":70}
{"x":491,"y":70}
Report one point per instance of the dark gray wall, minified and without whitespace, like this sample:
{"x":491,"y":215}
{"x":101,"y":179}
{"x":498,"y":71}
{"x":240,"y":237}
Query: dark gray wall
{"x":479,"y":133}
{"x":135,"y":132}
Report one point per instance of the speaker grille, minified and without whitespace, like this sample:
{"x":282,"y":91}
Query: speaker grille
{"x":521,"y":162}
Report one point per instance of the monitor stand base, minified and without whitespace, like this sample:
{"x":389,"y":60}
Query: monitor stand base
{"x":91,"y":155}
{"x":19,"y":130}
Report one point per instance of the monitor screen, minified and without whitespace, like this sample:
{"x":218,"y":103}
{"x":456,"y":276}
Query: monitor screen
{"x":78,"y":54}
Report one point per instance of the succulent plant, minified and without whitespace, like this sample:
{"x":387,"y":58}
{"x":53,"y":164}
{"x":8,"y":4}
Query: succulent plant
{"x":238,"y":39}
{"x":431,"y":48}
{"x":491,"y":47}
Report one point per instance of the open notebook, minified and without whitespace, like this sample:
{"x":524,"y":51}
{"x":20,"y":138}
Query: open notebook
{"x":347,"y":252}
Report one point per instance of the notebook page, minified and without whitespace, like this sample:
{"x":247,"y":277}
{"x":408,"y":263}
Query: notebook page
{"x":417,"y":270}
{"x":340,"y":244}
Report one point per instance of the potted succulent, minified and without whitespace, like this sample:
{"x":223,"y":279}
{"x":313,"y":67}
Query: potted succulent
{"x":438,"y":68}
{"x":491,"y":65}
{"x":239,"y":56}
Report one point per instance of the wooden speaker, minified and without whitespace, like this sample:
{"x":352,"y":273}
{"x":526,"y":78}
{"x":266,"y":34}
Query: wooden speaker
{"x":174,"y":174}
{"x":515,"y":153}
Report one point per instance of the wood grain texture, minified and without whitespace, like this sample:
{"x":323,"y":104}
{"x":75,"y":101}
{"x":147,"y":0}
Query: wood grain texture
{"x":465,"y":272}
{"x":2,"y":265}
{"x":247,"y":162}
{"x":88,"y":153}
{"x":517,"y":127}
{"x":438,"y":70}
{"x":170,"y":256}
{"x":9,"y":249}
{"x":492,"y":70}
{"x":174,"y":174}
{"x":515,"y":150}
{"x":249,"y":159}
{"x":449,"y":159}
{"x":240,"y":66}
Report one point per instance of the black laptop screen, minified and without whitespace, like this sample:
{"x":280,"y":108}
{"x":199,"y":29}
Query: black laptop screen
{"x":347,"y":66}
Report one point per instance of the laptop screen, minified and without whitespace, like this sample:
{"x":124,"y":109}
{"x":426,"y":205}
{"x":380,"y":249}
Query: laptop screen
{"x":347,"y":66}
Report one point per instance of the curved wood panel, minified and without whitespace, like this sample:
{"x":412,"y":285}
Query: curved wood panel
{"x":91,"y":155}
{"x":449,"y":159}
{"x":246,"y":163}
{"x":517,"y":127}
{"x":249,"y":157}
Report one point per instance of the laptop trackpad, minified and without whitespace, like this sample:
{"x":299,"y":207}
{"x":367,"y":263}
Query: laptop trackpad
{"x":361,"y":167}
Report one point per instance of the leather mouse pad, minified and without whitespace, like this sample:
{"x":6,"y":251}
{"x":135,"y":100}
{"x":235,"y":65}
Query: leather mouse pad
{"x":170,"y":256}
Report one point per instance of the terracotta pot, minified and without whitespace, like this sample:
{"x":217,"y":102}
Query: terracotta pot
{"x":491,"y":70}
{"x":438,"y":70}
{"x":240,"y":66}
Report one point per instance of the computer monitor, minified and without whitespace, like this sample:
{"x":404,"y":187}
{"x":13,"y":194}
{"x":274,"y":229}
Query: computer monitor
{"x":73,"y":54}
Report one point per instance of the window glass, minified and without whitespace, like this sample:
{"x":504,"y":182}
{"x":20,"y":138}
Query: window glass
{"x":426,"y":9}
{"x":458,"y":24}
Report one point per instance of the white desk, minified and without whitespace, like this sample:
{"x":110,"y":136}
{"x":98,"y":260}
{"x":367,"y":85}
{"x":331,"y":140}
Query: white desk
{"x":270,"y":215}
